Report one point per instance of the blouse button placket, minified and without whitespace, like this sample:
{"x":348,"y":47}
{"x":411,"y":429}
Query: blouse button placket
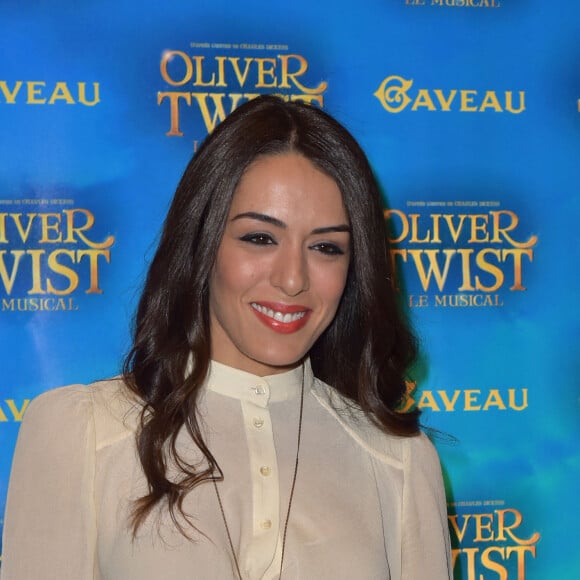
{"x":264,"y":478}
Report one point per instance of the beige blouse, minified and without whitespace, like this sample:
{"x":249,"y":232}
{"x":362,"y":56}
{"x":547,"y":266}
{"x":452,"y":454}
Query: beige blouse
{"x":366,"y":506}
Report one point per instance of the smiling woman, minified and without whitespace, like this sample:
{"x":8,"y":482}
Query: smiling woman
{"x":280,"y":271}
{"x":256,"y":432}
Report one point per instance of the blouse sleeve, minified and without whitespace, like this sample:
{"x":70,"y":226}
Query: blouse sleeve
{"x":49,"y":527}
{"x":426,"y":548}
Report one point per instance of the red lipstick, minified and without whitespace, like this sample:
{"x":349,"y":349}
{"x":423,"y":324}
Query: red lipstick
{"x":281,"y":318}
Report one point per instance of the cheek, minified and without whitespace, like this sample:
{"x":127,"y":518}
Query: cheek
{"x":221,"y":279}
{"x":233,"y":273}
{"x":331,"y":285}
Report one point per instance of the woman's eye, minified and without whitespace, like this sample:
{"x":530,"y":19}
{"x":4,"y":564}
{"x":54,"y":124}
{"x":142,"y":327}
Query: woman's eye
{"x":258,"y":239}
{"x":328,"y":249}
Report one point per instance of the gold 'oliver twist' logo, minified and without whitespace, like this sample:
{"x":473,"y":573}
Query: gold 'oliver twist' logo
{"x":221,"y":83}
{"x":397,"y":94}
{"x":491,"y":543}
{"x":58,"y":255}
{"x":487,"y":250}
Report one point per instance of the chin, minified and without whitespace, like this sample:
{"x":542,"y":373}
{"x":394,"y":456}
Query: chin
{"x":281,"y":360}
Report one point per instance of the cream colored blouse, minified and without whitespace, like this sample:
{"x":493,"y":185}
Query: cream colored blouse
{"x":366,"y":506}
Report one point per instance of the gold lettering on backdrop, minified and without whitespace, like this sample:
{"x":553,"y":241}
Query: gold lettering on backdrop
{"x":466,"y":257}
{"x":396,"y":94}
{"x":10,"y":410}
{"x":38,"y":304}
{"x":59,"y":255}
{"x":221,"y":83}
{"x":44,"y":93}
{"x":467,"y":400}
{"x":491,"y":541}
{"x":456,"y":3}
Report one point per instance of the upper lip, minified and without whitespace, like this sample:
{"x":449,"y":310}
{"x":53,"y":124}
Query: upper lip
{"x":283,"y":308}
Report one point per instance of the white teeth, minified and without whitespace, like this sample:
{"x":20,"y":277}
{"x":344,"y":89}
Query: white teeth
{"x":278,"y":316}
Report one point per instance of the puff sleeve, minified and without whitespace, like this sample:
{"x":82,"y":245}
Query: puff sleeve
{"x":50,"y":527}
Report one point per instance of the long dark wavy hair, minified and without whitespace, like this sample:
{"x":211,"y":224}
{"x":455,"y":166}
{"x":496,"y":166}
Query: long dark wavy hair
{"x":363,"y":354}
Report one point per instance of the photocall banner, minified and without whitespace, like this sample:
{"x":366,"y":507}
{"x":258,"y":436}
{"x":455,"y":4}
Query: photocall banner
{"x":469,"y":111}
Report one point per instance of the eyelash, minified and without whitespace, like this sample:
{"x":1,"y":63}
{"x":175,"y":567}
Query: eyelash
{"x":262,"y":239}
{"x":259,"y":239}
{"x":330,"y":249}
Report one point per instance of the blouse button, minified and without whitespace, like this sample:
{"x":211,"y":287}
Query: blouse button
{"x":265,"y":470}
{"x":266,"y":524}
{"x":259,"y":390}
{"x":258,"y":422}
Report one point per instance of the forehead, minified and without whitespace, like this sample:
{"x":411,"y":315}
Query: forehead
{"x":288,"y":184}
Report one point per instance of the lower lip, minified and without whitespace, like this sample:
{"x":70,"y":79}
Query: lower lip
{"x":283,"y":327}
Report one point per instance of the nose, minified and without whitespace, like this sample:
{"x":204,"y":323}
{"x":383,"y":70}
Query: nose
{"x":290,"y":271}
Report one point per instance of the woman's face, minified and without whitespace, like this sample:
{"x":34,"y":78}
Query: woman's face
{"x":281,"y":266}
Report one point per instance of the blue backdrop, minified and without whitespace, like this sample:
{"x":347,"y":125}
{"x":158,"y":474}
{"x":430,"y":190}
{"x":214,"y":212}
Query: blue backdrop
{"x":469,"y":111}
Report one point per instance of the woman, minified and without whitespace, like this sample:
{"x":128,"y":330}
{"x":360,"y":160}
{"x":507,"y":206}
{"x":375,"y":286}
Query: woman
{"x":255,"y":432}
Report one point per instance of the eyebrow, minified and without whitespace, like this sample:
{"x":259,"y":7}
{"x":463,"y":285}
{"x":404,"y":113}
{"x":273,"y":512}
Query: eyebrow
{"x":262,"y":217}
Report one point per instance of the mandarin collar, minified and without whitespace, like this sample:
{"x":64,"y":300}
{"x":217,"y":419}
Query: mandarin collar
{"x":238,"y":384}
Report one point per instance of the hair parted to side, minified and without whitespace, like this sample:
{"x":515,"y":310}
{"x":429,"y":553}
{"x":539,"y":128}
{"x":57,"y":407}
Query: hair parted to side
{"x":363,"y":354}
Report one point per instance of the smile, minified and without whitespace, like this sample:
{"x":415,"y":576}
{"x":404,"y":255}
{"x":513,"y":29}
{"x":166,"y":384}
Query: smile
{"x":279,"y":316}
{"x":282,"y":319}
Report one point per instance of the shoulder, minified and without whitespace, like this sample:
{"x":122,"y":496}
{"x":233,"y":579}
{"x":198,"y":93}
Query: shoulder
{"x":107,"y":406}
{"x":398,"y":451}
{"x":57,"y":406}
{"x":50,"y":526}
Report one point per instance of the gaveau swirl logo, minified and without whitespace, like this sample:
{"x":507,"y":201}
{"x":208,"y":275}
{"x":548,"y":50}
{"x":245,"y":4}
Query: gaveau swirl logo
{"x":397,"y":94}
{"x":465,"y":400}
